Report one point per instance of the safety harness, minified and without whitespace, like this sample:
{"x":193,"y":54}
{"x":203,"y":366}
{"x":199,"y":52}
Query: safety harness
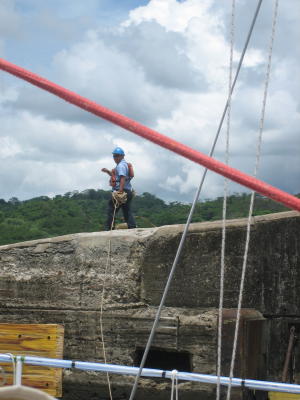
{"x":113,"y":179}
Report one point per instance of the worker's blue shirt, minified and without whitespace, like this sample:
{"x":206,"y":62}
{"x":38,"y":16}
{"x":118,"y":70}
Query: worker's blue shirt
{"x":122,"y":170}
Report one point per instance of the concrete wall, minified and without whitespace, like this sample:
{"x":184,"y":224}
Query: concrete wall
{"x":62,"y":280}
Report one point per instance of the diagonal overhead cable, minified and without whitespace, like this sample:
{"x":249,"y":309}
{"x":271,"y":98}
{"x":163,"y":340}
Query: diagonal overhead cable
{"x":180,"y":247}
{"x":143,"y":131}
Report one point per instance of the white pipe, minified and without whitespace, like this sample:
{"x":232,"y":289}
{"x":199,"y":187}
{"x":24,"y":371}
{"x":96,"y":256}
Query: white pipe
{"x":155,"y":373}
{"x":18,"y":372}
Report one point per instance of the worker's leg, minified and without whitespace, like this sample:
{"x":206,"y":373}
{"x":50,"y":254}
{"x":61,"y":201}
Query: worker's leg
{"x":126,"y":208}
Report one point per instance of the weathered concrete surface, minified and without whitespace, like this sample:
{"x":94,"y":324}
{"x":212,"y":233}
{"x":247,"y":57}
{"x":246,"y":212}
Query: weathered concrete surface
{"x":273,"y":265}
{"x":62,"y":280}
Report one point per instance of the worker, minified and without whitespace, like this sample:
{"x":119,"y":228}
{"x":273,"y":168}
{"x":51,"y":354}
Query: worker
{"x":122,"y":193}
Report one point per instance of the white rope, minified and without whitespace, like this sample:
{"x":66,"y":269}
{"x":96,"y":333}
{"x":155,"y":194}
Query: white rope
{"x":257,"y":162}
{"x":107,"y":267}
{"x":224,"y":212}
{"x":174,"y":387}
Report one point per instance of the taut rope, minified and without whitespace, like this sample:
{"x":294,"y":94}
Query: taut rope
{"x":222,"y":270}
{"x":257,"y":161}
{"x":107,"y":267}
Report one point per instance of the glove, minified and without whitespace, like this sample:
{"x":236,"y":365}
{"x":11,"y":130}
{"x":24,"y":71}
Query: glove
{"x":119,"y":198}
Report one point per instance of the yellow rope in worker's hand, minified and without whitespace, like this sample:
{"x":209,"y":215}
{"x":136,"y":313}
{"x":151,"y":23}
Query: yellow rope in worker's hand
{"x":119,"y":198}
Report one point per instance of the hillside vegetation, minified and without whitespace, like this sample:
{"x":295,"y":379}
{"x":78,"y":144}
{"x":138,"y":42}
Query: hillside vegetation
{"x":74,"y":212}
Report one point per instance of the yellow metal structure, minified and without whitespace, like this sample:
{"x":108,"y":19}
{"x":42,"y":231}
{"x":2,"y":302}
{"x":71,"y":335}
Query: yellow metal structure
{"x":40,"y":340}
{"x":283,"y":396}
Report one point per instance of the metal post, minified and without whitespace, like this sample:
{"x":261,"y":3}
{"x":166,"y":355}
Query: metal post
{"x":18,"y":372}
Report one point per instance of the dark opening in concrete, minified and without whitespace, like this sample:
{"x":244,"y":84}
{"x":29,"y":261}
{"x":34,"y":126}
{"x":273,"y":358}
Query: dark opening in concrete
{"x":163,"y":359}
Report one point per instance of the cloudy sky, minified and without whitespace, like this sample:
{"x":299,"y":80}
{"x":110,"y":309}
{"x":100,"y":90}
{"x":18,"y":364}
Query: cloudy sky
{"x":161,"y":62}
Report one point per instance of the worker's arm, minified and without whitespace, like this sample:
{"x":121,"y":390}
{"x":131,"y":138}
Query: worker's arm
{"x":122,"y":183}
{"x":107,"y":171}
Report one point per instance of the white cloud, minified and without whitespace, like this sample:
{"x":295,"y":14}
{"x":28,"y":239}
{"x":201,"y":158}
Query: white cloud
{"x":172,"y":183}
{"x":206,"y":46}
{"x":253,"y":58}
{"x":9,"y":147}
{"x":194,"y":121}
{"x":104,"y":73}
{"x":173,"y":15}
{"x":9,"y":18}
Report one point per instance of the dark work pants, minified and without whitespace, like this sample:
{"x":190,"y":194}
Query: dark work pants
{"x":126,"y":209}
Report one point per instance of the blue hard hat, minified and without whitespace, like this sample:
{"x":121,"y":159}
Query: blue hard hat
{"x":118,"y":150}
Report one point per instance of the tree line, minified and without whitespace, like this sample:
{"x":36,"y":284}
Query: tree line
{"x":74,"y":212}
